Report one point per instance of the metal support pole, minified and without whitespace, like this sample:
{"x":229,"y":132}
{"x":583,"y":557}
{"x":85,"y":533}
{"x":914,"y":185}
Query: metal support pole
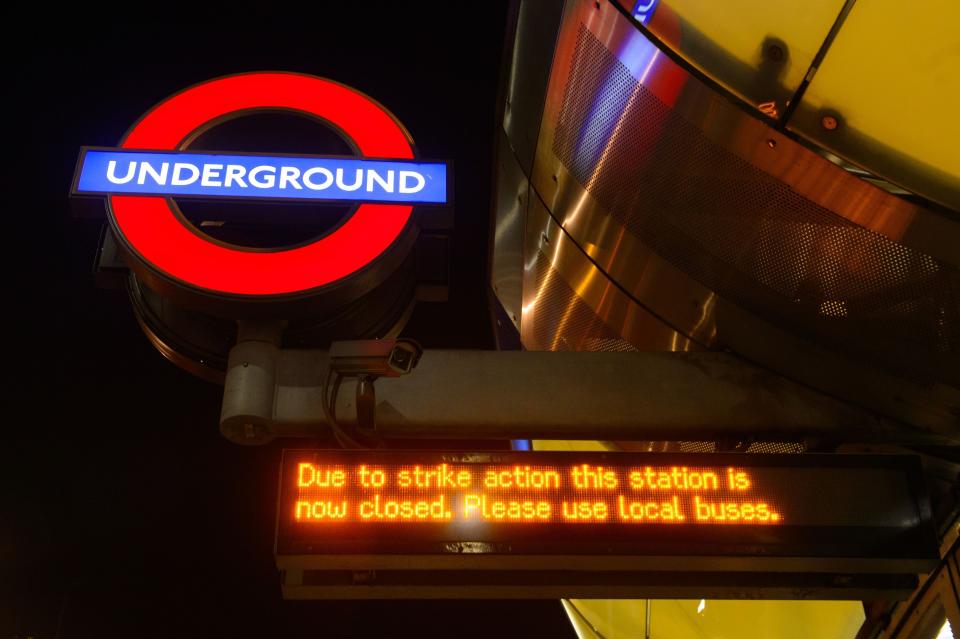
{"x":247,"y":416}
{"x":650,"y":396}
{"x":646,"y":625}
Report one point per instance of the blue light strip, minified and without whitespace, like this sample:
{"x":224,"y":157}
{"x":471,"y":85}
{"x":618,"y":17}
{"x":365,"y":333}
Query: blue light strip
{"x":643,"y":10}
{"x":224,"y":175}
{"x":610,"y":103}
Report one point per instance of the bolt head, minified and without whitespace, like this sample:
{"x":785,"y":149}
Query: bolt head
{"x":775,"y":52}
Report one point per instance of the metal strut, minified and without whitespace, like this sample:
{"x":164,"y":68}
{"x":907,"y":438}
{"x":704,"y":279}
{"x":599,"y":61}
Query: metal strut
{"x":272,"y":392}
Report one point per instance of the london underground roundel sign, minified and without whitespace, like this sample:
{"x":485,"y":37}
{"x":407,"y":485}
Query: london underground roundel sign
{"x":151,"y":166}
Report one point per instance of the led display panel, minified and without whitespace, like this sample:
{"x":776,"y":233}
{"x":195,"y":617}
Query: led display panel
{"x":389,"y":502}
{"x":373,"y":524}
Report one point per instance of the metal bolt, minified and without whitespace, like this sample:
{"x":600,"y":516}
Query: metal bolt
{"x":772,"y":143}
{"x":829,"y":122}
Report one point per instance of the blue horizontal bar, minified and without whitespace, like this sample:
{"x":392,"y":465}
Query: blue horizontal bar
{"x":224,"y":175}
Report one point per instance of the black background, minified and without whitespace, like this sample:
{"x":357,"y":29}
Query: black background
{"x":129,"y":514}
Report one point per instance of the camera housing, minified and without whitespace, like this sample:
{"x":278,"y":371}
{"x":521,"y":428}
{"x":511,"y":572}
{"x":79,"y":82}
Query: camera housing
{"x":375,"y":357}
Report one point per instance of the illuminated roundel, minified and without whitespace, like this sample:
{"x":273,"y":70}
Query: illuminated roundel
{"x":153,"y":230}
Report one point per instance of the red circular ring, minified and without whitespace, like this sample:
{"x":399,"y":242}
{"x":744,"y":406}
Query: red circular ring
{"x":154,"y":232}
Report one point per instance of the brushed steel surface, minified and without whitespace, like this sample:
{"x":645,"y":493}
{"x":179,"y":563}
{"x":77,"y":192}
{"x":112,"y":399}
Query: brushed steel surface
{"x":529,"y":71}
{"x":684,"y":303}
{"x":747,"y":138}
{"x":903,"y":371}
{"x":506,"y":260}
{"x":900,"y":95}
{"x":570,"y":304}
{"x":646,"y":396}
{"x":935,"y":409}
{"x":713,"y":203}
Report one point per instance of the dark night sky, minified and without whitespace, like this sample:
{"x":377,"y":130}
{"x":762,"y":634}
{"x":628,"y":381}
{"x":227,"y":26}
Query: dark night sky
{"x":131,"y":516}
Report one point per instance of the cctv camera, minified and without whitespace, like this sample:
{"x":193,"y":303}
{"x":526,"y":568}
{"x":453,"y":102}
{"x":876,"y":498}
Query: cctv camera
{"x":375,"y":357}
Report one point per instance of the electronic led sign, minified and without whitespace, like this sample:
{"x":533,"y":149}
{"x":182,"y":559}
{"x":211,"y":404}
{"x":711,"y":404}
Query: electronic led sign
{"x":153,"y":165}
{"x":387,"y":511}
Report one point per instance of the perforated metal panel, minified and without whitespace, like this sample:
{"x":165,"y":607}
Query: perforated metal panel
{"x":779,"y":448}
{"x":564,"y":322}
{"x":776,"y":447}
{"x":748,"y":236}
{"x":712,"y":447}
{"x":570,"y":304}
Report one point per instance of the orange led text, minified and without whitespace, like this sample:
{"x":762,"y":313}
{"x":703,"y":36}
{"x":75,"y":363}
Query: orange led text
{"x":479,"y":506}
{"x":466,"y":493}
{"x":393,"y":509}
{"x":310,"y":475}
